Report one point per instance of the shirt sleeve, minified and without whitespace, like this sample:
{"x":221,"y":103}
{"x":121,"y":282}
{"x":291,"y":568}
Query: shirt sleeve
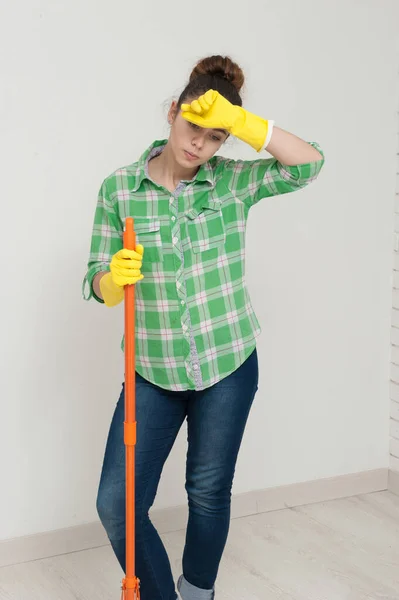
{"x":106,"y":240}
{"x":250,"y":181}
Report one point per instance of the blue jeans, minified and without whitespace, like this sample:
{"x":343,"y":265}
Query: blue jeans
{"x":216,"y":419}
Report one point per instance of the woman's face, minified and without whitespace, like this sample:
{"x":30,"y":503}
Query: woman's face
{"x":192,"y":146}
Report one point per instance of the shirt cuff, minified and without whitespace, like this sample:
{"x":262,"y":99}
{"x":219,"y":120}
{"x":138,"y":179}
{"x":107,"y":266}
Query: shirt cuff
{"x":302,"y":175}
{"x":87,"y":286}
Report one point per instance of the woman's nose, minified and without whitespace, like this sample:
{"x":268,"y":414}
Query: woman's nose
{"x":198,"y":141}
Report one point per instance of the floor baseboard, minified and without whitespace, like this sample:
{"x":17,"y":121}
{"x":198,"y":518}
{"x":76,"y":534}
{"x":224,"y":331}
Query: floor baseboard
{"x":393,"y":482}
{"x":92,"y":535}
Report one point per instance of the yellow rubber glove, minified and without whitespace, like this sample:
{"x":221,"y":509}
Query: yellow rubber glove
{"x":125,"y":270}
{"x":213,"y":111}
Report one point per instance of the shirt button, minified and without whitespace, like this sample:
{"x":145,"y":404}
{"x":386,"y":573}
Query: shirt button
{"x":182,"y":303}
{"x":173,"y":219}
{"x":175,"y":240}
{"x":195,"y":367}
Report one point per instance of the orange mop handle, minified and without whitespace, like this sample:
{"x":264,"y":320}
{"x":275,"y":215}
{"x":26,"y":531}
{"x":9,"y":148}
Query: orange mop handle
{"x":130,"y":584}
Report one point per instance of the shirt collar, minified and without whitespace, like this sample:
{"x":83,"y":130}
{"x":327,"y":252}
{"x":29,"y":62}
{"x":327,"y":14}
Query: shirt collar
{"x":205,"y":172}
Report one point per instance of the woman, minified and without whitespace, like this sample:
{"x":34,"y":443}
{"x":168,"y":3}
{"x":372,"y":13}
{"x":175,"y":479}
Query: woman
{"x":195,"y":327}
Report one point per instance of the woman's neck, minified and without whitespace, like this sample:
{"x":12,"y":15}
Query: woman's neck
{"x":165,"y":170}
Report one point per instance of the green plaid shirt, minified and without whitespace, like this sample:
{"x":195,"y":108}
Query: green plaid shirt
{"x":194,"y":320}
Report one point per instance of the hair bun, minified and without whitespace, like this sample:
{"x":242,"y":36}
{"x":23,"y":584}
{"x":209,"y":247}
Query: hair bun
{"x":219,"y":66}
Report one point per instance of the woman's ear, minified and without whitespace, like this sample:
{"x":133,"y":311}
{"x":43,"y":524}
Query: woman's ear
{"x":172,"y":112}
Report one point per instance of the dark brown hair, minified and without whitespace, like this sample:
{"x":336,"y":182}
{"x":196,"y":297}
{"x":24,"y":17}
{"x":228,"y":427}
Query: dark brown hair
{"x":218,"y":73}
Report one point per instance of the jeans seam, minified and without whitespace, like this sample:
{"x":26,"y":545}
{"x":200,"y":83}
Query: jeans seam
{"x":146,"y":554}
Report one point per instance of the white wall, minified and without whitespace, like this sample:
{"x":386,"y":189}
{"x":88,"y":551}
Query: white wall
{"x":85,"y":85}
{"x":394,"y":385}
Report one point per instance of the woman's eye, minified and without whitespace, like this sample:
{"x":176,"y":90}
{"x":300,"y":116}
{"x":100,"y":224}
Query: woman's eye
{"x":193,"y":125}
{"x":215,"y":138}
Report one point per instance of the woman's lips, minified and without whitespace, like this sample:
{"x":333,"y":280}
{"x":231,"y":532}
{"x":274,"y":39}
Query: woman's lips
{"x":190,"y":156}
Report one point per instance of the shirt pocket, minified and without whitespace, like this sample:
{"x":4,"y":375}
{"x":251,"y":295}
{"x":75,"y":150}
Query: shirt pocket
{"x":148,"y":234}
{"x":205,"y":227}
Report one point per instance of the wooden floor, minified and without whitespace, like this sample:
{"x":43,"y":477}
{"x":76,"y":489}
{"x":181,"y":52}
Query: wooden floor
{"x":339,"y":550}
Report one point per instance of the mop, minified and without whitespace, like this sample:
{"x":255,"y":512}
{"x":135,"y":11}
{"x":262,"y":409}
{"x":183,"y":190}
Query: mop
{"x":130,"y":583}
